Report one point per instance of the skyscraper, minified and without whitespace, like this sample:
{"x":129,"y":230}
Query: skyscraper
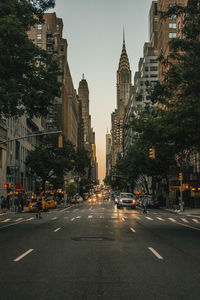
{"x":123,"y":94}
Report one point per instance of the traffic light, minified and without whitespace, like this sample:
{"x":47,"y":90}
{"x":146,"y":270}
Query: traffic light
{"x":180,"y":176}
{"x":60,"y":141}
{"x":5,"y":186}
{"x":152,"y":153}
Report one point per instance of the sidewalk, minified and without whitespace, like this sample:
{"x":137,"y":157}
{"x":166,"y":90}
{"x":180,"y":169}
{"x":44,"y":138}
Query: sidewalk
{"x":187,"y":211}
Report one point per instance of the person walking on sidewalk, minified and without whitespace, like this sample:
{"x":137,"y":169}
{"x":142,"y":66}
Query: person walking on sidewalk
{"x":145,"y":202}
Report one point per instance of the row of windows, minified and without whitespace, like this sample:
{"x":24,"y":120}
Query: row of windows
{"x":39,"y":27}
{"x":152,"y":68}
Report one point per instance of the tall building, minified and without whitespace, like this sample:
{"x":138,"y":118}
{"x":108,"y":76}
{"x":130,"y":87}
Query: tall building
{"x":83,"y":95}
{"x":108,"y":153}
{"x":88,"y":135}
{"x":64,"y":115}
{"x":123,"y":95}
{"x":169,"y":28}
{"x":147,"y":72}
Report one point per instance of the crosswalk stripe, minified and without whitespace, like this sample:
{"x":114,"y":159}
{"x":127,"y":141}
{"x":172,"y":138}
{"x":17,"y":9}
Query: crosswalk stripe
{"x":149,"y":218}
{"x":5,"y":221}
{"x":90,"y":217}
{"x":30,"y":219}
{"x":184,"y":220}
{"x":19,"y":219}
{"x":195,"y":220}
{"x":172,"y":220}
{"x":160,"y":219}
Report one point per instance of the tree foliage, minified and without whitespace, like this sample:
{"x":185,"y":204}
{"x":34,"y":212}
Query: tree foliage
{"x":28,"y":75}
{"x":52,"y":163}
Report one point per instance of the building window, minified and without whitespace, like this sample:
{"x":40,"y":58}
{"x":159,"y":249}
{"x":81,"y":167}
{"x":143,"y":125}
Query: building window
{"x":146,"y":69}
{"x":172,"y":17}
{"x":172,"y":25}
{"x":57,"y":27}
{"x":39,"y":45}
{"x":153,"y":68}
{"x":172,"y":35}
{"x":39,"y":36}
{"x":154,"y":75}
{"x":39,"y":26}
{"x":153,"y":60}
{"x":155,"y":20}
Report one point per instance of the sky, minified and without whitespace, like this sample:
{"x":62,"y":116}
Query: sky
{"x":94,"y":32}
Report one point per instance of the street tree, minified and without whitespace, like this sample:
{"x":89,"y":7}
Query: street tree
{"x":177,"y":96}
{"x":28,"y":75}
{"x":50,"y":162}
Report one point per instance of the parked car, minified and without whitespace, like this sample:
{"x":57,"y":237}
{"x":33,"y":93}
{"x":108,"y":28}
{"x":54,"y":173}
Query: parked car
{"x":126,"y":200}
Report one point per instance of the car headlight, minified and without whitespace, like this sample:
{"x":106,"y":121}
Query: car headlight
{"x":134,"y":201}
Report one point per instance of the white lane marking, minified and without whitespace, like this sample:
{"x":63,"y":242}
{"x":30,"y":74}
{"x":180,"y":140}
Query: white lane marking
{"x":155,"y":253}
{"x":12,"y":224}
{"x":172,"y":220}
{"x":19,"y":219}
{"x":160,"y":219}
{"x":57,"y":229}
{"x":65,"y":209}
{"x":72,"y":219}
{"x":188,"y":226}
{"x":195,"y":220}
{"x":90,"y":217}
{"x":24,"y":254}
{"x":149,"y":218}
{"x":78,"y":217}
{"x":123,"y":219}
{"x":184,"y":220}
{"x":133,"y":230}
{"x":30,"y":219}
{"x":54,"y":218}
{"x":5,"y":221}
{"x":101,"y":217}
{"x":137,"y":217}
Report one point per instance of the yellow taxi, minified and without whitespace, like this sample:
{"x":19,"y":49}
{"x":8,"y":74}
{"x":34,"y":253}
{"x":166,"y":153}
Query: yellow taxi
{"x":50,"y":202}
{"x":33,"y":205}
{"x":92,"y":199}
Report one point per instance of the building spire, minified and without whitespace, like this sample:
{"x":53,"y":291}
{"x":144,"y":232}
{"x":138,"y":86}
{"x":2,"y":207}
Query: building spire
{"x":83,"y":77}
{"x":124,"y":61}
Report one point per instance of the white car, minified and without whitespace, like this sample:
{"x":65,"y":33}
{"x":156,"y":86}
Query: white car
{"x":126,"y":200}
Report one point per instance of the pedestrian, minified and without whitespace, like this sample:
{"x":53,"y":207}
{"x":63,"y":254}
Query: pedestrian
{"x":8,"y":202}
{"x":145,"y":202}
{"x":21,"y":202}
{"x":39,"y":207}
{"x":16,"y":203}
{"x":3,"y":203}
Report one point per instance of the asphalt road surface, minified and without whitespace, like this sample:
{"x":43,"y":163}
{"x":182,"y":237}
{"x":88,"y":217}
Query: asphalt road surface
{"x":98,"y":252}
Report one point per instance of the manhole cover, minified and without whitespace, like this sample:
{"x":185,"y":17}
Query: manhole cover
{"x":91,"y":238}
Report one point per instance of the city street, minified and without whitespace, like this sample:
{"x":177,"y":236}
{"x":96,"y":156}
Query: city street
{"x":98,"y":252}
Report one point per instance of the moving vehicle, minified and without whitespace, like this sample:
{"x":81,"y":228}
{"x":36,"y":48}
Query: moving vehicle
{"x":51,"y":202}
{"x":32,"y":207}
{"x":92,"y":199}
{"x":126,"y":200}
